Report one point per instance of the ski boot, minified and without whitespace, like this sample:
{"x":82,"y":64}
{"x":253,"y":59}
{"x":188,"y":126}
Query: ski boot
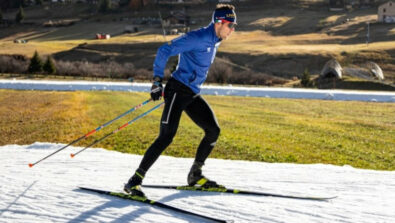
{"x":133,"y":186}
{"x":195,"y":177}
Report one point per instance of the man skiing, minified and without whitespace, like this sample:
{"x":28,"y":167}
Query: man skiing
{"x":196,"y":51}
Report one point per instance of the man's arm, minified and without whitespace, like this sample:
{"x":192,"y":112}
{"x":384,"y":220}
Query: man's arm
{"x":181,"y":44}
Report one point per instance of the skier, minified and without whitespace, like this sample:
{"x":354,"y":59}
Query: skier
{"x":196,"y":51}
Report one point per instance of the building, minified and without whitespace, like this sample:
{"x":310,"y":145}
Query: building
{"x":138,"y":4}
{"x":337,"y":5}
{"x":386,"y":12}
{"x":176,"y":18}
{"x":340,"y":5}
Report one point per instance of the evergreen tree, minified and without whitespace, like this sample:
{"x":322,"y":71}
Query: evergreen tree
{"x":36,"y":65}
{"x":24,"y":3}
{"x":123,"y":3}
{"x":104,"y":6}
{"x":39,"y":2}
{"x":20,"y":15}
{"x":1,"y":16}
{"x":49,"y":66}
{"x":305,"y":80}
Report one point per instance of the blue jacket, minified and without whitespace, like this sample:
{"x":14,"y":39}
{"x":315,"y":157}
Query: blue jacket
{"x":196,"y":52}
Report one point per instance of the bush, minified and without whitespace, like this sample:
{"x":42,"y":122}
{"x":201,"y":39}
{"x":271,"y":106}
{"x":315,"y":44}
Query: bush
{"x":219,"y":73}
{"x":222,"y":72}
{"x":255,"y":78}
{"x":113,"y":69}
{"x":107,"y":69}
{"x":13,"y":64}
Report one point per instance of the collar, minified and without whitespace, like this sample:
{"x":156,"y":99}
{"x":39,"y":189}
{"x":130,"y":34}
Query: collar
{"x":211,"y":28}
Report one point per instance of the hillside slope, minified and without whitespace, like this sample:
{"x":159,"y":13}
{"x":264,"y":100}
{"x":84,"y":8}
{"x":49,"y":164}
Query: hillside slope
{"x":272,"y":37}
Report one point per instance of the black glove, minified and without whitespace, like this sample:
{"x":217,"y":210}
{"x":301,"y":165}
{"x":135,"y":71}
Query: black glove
{"x":157,"y":89}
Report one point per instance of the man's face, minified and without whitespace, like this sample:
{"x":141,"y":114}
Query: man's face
{"x":225,"y":29}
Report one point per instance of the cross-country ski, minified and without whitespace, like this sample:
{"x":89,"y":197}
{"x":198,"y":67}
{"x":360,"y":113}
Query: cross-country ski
{"x":152,"y":203}
{"x":237,"y":191}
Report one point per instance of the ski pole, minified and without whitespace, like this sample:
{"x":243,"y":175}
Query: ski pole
{"x":93,"y":131}
{"x":72,"y":155}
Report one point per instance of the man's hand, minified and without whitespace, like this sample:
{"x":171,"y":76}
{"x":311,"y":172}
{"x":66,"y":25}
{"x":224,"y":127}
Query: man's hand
{"x":157,"y":89}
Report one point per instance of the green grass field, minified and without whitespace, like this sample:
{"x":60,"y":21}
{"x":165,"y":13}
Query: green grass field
{"x":360,"y":134}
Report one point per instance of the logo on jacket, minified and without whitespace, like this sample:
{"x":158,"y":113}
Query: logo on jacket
{"x":208,"y":49}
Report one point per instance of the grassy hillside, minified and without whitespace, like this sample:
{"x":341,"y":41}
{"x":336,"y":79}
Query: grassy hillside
{"x":272,"y":37}
{"x":360,"y":134}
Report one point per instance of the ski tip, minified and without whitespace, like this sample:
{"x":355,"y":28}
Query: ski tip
{"x":321,"y":198}
{"x":31,"y":165}
{"x":72,"y":155}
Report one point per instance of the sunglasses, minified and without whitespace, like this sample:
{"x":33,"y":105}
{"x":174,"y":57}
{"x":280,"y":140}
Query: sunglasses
{"x":231,"y":25}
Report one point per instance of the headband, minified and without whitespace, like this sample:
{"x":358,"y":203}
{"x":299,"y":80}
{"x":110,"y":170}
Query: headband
{"x":227,"y":15}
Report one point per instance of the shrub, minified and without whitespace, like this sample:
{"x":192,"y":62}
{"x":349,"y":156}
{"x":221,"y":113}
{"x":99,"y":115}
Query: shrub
{"x":13,"y":64}
{"x":110,"y":69}
{"x":219,"y":73}
{"x":255,"y":78}
{"x":222,"y":72}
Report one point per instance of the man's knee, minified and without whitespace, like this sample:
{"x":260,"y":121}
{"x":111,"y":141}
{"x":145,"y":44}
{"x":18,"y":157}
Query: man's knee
{"x":212,"y":133}
{"x":166,"y":137}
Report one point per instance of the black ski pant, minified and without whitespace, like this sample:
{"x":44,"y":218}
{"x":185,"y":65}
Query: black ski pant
{"x":179,"y":98}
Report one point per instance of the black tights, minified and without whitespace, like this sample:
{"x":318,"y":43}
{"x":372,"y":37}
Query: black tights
{"x":179,"y":98}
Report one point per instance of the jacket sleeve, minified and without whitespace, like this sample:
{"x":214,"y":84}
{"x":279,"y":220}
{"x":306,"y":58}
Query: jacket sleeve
{"x":179,"y":45}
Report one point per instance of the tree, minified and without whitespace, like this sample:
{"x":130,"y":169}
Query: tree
{"x":1,"y":16}
{"x":49,"y":66}
{"x":20,"y":15}
{"x":305,"y":80}
{"x":39,"y":2}
{"x":137,"y":4}
{"x":104,"y":6}
{"x":123,"y":3}
{"x":36,"y":65}
{"x":24,"y":3}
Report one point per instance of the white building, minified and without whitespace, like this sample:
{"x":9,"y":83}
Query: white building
{"x":386,"y":12}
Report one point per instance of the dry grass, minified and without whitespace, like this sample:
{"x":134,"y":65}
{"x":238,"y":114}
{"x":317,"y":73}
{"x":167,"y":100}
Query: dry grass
{"x":266,"y":30}
{"x":256,"y":42}
{"x":259,"y":42}
{"x":271,"y":21}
